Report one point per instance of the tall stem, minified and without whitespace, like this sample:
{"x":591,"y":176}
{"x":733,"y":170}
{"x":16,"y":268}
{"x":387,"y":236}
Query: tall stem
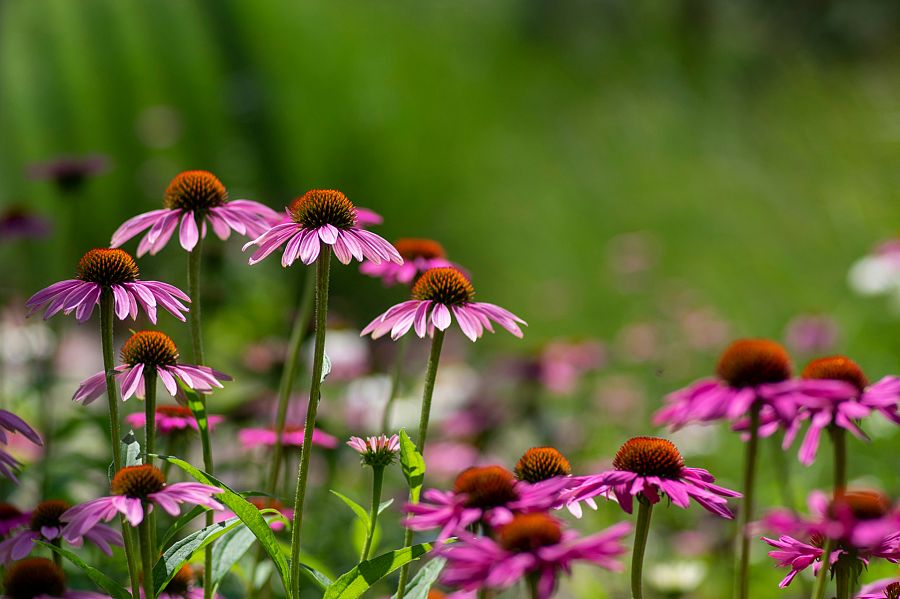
{"x":149,"y":413}
{"x":434,"y":359}
{"x":396,"y":375}
{"x":147,"y":556}
{"x":842,"y":581}
{"x":839,"y":443}
{"x":377,"y":479}
{"x":822,"y":576}
{"x":642,"y":527}
{"x":322,"y":275}
{"x":746,"y":513}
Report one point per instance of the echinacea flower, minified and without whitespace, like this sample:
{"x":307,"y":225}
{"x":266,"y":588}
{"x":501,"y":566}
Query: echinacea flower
{"x":418,"y":256}
{"x":145,"y":352}
{"x":798,"y":556}
{"x":540,"y":464}
{"x":322,"y":216}
{"x":101,"y":269}
{"x":135,"y":491}
{"x":172,"y":419}
{"x":437,"y":294}
{"x":69,"y":172}
{"x":646,"y":467}
{"x":45,"y":525}
{"x":485,"y":494}
{"x":811,"y":334}
{"x":888,"y":588}
{"x":12,"y":423}
{"x":292,"y":436}
{"x":528,"y":546}
{"x":39,"y":578}
{"x":194,"y":197}
{"x":376,"y":452}
{"x":12,"y":518}
{"x":262,"y":503}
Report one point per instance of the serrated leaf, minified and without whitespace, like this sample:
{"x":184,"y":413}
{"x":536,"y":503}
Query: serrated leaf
{"x":358,"y":580}
{"x":413,"y":466}
{"x":359,"y":510}
{"x":181,"y":551}
{"x":385,"y":505}
{"x":112,"y":588}
{"x":421,"y":583}
{"x":230,"y":548}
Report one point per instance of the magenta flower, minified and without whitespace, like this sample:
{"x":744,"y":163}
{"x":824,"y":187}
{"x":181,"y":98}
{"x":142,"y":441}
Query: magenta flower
{"x":798,"y":556}
{"x":367,"y":218}
{"x":12,"y":518}
{"x":533,"y":545}
{"x":562,"y":364}
{"x":378,"y":451}
{"x":811,"y":334}
{"x":12,"y":423}
{"x":323,"y":216}
{"x":172,"y":419}
{"x":192,"y":197}
{"x":144,"y":352}
{"x":251,"y":438}
{"x":887,"y":588}
{"x":263,"y":503}
{"x":489,"y":494}
{"x":436,"y":294}
{"x":646,"y":467}
{"x":45,"y":525}
{"x":136,"y":489}
{"x":418,"y":256}
{"x":116,"y":270}
{"x":40,"y":578}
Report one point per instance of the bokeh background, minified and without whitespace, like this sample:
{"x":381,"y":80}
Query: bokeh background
{"x":641,"y":183}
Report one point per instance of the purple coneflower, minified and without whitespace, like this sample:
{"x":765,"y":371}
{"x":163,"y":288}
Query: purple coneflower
{"x":17,"y":222}
{"x":12,"y":518}
{"x":45,"y":525}
{"x":292,"y":436}
{"x":438,"y":293}
{"x":531,"y":547}
{"x":39,"y":578}
{"x":69,"y":172}
{"x":112,"y":269}
{"x":145,"y":352}
{"x":377,"y":451}
{"x":418,"y":256}
{"x":135,"y":490}
{"x":323,"y":216}
{"x":12,"y":423}
{"x":888,"y":588}
{"x":172,"y":419}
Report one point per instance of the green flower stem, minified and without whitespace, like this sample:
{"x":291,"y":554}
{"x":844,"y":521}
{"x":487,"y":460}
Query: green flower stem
{"x":822,"y":577}
{"x":642,"y":527}
{"x":533,"y":587}
{"x":746,"y":513}
{"x":322,"y":274}
{"x":434,"y":358}
{"x":107,"y":314}
{"x":57,"y":558}
{"x":839,"y":443}
{"x":147,"y":555}
{"x":377,"y":479}
{"x":843,"y":581}
{"x":149,"y":414}
{"x":396,"y":376}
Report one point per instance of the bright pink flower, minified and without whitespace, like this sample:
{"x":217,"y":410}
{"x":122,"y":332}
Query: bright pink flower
{"x":366,"y":218}
{"x":136,"y":489}
{"x":811,"y":334}
{"x":148,"y":351}
{"x":798,"y":556}
{"x":12,"y":423}
{"x":172,"y":419}
{"x":887,"y":588}
{"x":418,"y":256}
{"x":292,"y":436}
{"x":116,"y":270}
{"x":192,"y":197}
{"x":529,"y":544}
{"x":262,"y":503}
{"x":378,"y":451}
{"x":648,"y":467}
{"x":322,"y":216}
{"x":436,"y":294}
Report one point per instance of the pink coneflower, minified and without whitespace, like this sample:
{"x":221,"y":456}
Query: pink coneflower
{"x":376,"y":452}
{"x":38,"y":578}
{"x":17,"y":222}
{"x":487,"y":494}
{"x":144,"y":352}
{"x":811,"y":334}
{"x":418,"y":256}
{"x":251,"y":438}
{"x":194,"y":197}
{"x":136,"y":488}
{"x":436,"y":294}
{"x":888,"y":588}
{"x":12,"y":518}
{"x":323,"y":216}
{"x":12,"y":423}
{"x":172,"y":419}
{"x":646,"y":467}
{"x":262,"y":503}
{"x":798,"y":556}
{"x":540,"y":464}
{"x":101,"y":269}
{"x":45,"y":525}
{"x":69,"y":172}
{"x":529,"y":545}
{"x":562,"y":364}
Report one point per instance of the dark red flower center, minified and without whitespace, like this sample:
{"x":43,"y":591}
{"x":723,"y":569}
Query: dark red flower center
{"x":528,"y":532}
{"x":320,"y":207}
{"x":863,"y":505}
{"x":649,"y":456}
{"x":892,"y":591}
{"x":107,"y":267}
{"x":181,"y":582}
{"x":838,"y":368}
{"x":751,"y":362}
{"x":411,"y":248}
{"x":445,"y":285}
{"x":8,"y":511}
{"x":47,"y":513}
{"x":138,"y":481}
{"x":175,"y":411}
{"x":486,"y":487}
{"x":541,"y":463}
{"x":33,"y":577}
{"x":195,"y":190}
{"x":151,"y":348}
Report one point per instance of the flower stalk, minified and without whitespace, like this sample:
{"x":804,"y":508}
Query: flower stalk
{"x":822,"y":577}
{"x":377,"y":480}
{"x":641,"y":530}
{"x":746,"y":514}
{"x":147,"y":555}
{"x":839,"y":443}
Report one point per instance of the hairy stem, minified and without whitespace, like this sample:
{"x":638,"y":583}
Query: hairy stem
{"x":147,"y":555}
{"x":642,"y":527}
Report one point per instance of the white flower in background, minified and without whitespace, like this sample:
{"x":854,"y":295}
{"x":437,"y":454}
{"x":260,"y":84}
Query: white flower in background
{"x":878,"y":273}
{"x":677,"y":578}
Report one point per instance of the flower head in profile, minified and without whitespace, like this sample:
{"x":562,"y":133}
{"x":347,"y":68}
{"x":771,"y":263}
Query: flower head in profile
{"x":135,"y":488}
{"x":528,"y":545}
{"x":69,"y":172}
{"x":101,"y":269}
{"x":45,"y":525}
{"x":9,"y":422}
{"x":377,"y":452}
{"x":146,"y":352}
{"x":648,"y":467}
{"x":323,"y":216}
{"x":292,"y":436}
{"x":38,"y":577}
{"x":418,"y":256}
{"x":173,"y":419}
{"x":194,"y":197}
{"x":437,"y":294}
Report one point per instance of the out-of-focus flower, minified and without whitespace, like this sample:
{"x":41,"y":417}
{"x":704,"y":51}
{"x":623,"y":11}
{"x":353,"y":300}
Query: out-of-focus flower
{"x":418,"y":256}
{"x":17,"y":222}
{"x":39,"y":578}
{"x":677,"y":578}
{"x":262,"y":503}
{"x":323,"y":216}
{"x":194,"y":197}
{"x":446,"y":459}
{"x":251,"y":438}
{"x":376,"y":452}
{"x":12,"y":423}
{"x":438,"y":292}
{"x":798,"y":556}
{"x":888,"y":588}
{"x":172,"y":419}
{"x":564,"y":363}
{"x":116,"y":270}
{"x":12,"y":518}
{"x":703,"y":328}
{"x":150,"y":351}
{"x":639,"y":342}
{"x":349,"y":355}
{"x":69,"y":172}
{"x":878,"y":273}
{"x":811,"y":334}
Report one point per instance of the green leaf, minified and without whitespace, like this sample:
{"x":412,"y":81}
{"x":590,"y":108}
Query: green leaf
{"x":421,"y":583}
{"x":131,"y":449}
{"x":197,"y":404}
{"x":182,"y":521}
{"x":358,"y":580}
{"x":359,"y":510}
{"x":112,"y":588}
{"x":413,"y":466}
{"x":229,"y":550}
{"x":182,"y":550}
{"x":248,"y":514}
